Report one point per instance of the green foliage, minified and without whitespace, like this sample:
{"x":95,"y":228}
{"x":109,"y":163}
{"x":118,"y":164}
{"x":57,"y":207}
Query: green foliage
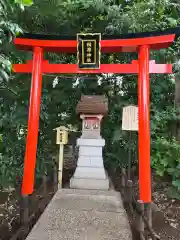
{"x":166,"y":161}
{"x":165,"y":149}
{"x":153,"y":14}
{"x":8,"y":30}
{"x":166,"y":157}
{"x":11,"y":147}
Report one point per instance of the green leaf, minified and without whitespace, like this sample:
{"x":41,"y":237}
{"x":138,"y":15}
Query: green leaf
{"x":172,"y":21}
{"x":176,"y":183}
{"x":1,"y":138}
{"x":160,"y":170}
{"x":173,"y":193}
{"x":3,"y":76}
{"x":117,"y":135}
{"x":24,"y":2}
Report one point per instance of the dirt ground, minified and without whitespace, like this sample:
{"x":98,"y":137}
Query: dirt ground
{"x":10,"y":211}
{"x":166,"y":213}
{"x":167,"y":217}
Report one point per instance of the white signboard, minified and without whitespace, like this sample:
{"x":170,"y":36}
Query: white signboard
{"x":130,"y":118}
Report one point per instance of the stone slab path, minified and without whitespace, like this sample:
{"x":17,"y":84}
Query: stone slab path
{"x":76,"y":214}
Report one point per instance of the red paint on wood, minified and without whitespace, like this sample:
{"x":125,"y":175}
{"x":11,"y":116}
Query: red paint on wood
{"x":33,"y":123}
{"x":144,"y":125}
{"x":107,"y":46}
{"x":105,"y":68}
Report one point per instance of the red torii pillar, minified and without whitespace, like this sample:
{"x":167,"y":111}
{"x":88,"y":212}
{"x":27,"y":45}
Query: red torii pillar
{"x":144,"y":125}
{"x":142,"y":67}
{"x":33,"y":122}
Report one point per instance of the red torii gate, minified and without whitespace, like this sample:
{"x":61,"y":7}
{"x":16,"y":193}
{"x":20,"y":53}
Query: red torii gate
{"x":141,"y":43}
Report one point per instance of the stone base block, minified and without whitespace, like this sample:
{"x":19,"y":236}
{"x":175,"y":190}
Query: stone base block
{"x":88,"y":183}
{"x":91,"y":142}
{"x":90,"y":173}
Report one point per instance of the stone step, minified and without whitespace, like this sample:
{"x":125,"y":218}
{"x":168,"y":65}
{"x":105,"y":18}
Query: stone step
{"x":86,"y":192}
{"x":89,"y":200}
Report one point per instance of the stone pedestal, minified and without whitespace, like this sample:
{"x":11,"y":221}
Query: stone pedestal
{"x":90,"y":172}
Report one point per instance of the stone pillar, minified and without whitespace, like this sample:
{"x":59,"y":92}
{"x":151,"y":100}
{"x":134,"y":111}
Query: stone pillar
{"x":90,"y":172}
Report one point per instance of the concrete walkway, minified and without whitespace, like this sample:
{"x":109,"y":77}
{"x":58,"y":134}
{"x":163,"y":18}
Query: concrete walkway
{"x":76,"y":214}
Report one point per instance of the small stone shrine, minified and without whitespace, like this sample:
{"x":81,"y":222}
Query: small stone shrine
{"x":90,"y":172}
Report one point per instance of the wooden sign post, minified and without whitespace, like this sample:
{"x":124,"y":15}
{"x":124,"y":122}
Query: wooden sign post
{"x":61,"y":140}
{"x":130,"y":123}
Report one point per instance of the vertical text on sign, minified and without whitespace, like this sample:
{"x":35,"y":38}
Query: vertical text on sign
{"x":88,"y":51}
{"x":130,"y":118}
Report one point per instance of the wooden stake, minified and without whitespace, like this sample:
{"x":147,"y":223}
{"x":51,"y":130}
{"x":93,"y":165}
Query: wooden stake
{"x":123,"y":181}
{"x":24,"y":213}
{"x":55,"y":178}
{"x":129,"y":156}
{"x":149,"y":214}
{"x":45,"y":185}
{"x":129,"y":185}
{"x":60,"y":169}
{"x":141,"y":221}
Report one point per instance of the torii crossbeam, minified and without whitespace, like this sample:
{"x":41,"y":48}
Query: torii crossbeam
{"x":142,"y":43}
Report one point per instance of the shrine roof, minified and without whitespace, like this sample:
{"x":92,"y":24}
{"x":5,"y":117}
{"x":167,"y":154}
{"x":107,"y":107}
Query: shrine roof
{"x":92,"y":104}
{"x":104,"y":37}
{"x":109,"y":43}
